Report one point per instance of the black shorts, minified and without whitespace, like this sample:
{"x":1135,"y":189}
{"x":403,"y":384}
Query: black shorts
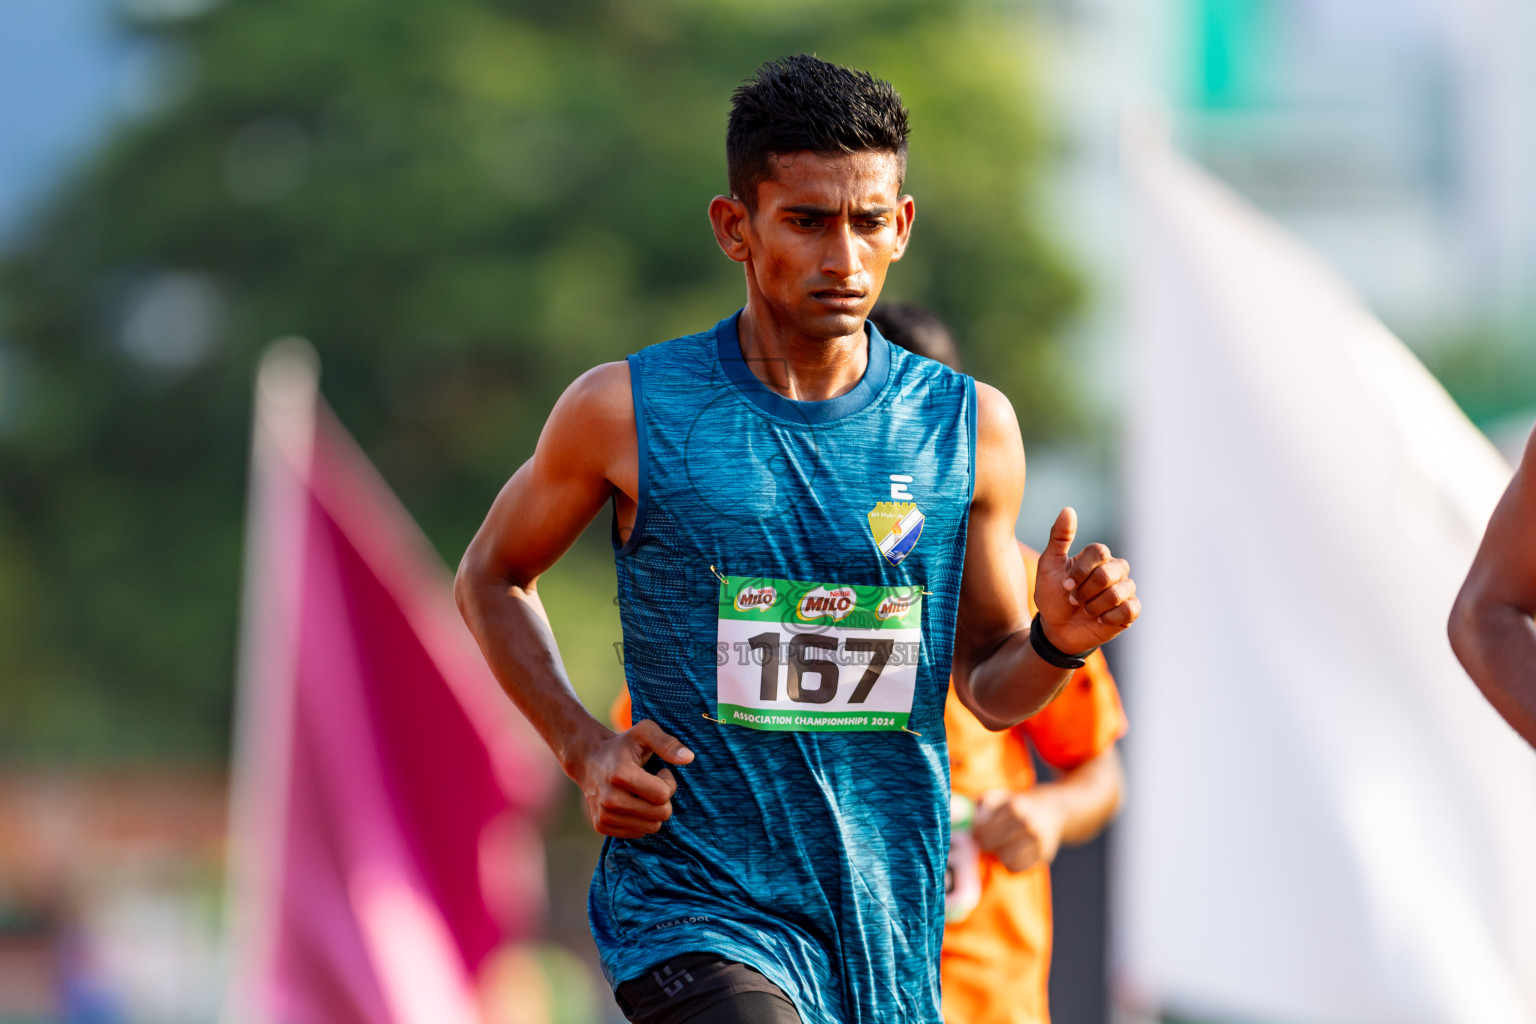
{"x":704,"y":988}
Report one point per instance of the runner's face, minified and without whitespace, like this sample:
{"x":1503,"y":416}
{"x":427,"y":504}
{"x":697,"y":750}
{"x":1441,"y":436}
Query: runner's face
{"x":826,"y":230}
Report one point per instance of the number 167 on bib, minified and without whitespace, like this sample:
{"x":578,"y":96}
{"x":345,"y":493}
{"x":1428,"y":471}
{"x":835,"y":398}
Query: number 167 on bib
{"x":816,"y":657}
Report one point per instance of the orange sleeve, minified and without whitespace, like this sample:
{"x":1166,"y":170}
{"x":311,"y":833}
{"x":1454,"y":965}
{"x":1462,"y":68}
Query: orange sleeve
{"x":622,"y":714}
{"x":1086,"y":718}
{"x":1083,"y":721}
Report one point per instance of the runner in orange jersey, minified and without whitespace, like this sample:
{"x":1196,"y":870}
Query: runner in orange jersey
{"x":996,"y":957}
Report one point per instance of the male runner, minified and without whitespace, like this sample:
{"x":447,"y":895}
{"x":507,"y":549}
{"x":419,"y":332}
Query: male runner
{"x":800,"y":510}
{"x":1492,"y":627}
{"x":996,"y":960}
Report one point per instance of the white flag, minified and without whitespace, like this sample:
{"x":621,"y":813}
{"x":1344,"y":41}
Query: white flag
{"x":1327,"y":822}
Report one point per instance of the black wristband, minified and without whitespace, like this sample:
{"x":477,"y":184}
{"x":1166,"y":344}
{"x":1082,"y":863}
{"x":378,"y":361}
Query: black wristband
{"x":1050,"y":653}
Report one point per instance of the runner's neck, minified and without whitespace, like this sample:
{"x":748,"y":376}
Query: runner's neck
{"x":798,"y":367}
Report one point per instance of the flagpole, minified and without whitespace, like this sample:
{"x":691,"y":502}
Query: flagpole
{"x":282,"y":448}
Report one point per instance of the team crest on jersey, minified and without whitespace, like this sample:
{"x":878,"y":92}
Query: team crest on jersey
{"x":896,"y":527}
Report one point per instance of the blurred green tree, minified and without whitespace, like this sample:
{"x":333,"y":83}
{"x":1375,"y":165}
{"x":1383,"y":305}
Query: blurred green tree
{"x":463,"y":204}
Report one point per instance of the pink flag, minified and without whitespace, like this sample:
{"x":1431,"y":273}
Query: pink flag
{"x":383,"y":841}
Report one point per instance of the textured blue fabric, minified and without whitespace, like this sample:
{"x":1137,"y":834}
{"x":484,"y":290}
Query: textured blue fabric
{"x":816,"y":858}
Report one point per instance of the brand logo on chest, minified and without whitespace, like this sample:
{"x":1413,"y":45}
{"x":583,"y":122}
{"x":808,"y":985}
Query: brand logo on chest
{"x":822,"y":603}
{"x":754,"y":599}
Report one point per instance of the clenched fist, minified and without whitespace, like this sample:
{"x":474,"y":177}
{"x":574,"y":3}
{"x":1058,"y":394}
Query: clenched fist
{"x":1087,"y":600}
{"x":1020,"y":829}
{"x":621,"y":798}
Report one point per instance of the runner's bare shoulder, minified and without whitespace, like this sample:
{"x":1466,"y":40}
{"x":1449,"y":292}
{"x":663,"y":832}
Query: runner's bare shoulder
{"x":600,"y":398}
{"x":593,"y":423}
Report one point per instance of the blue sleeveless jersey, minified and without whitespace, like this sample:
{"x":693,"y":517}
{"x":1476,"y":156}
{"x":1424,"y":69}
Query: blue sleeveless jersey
{"x":815,"y":857}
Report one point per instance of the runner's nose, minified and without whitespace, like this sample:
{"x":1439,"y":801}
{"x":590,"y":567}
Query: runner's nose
{"x":840,"y":259}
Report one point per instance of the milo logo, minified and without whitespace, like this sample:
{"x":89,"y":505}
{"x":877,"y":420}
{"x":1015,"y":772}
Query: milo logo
{"x":822,"y":603}
{"x":893,"y":608}
{"x":751,"y":599}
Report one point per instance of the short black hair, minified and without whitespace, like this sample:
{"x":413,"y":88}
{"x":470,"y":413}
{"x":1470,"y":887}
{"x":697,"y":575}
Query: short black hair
{"x":801,"y":103}
{"x":916,"y":330}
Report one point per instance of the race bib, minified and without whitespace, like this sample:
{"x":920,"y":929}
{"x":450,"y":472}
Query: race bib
{"x":817,"y":657}
{"x":962,"y":871}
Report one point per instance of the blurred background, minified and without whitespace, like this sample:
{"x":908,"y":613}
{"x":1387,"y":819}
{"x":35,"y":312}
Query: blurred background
{"x":464,"y":204}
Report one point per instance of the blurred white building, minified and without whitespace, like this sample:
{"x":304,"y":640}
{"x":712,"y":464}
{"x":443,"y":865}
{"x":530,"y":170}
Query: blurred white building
{"x":1394,"y":137}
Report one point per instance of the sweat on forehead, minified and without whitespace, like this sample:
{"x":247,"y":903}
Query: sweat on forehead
{"x":855,"y":175}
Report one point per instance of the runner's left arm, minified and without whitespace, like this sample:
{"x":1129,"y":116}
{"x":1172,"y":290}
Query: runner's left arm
{"x":1084,"y":600}
{"x":1492,"y":627}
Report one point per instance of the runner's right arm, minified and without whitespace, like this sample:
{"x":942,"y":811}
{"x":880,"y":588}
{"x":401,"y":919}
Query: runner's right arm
{"x":587,"y":454}
{"x":1492,"y":627}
